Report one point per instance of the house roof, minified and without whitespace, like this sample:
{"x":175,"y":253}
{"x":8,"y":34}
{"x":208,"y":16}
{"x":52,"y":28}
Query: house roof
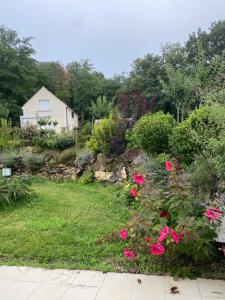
{"x":45,"y":89}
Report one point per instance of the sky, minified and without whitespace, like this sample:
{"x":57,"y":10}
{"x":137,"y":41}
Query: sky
{"x":111,"y":33}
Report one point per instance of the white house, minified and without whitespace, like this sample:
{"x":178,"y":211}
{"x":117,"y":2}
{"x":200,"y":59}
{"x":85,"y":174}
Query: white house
{"x":45,"y":105}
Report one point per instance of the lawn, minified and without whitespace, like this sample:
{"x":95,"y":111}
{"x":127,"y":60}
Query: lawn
{"x":75,"y":226}
{"x":63,"y":226}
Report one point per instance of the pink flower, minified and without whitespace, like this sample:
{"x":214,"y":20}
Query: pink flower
{"x":134,"y":193}
{"x":169,"y":166}
{"x":157,"y":249}
{"x":129,"y":253}
{"x":139,"y":179}
{"x":164,"y":214}
{"x":213,"y":213}
{"x":133,"y":270}
{"x":175,"y":236}
{"x":123,"y":234}
{"x":163,"y":233}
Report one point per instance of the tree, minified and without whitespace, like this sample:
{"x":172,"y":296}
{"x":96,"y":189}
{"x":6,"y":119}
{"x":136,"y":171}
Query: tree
{"x":101,"y":108}
{"x":17,"y":71}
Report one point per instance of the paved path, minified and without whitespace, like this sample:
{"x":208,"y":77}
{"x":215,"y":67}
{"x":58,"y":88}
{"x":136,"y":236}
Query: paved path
{"x":22,"y":283}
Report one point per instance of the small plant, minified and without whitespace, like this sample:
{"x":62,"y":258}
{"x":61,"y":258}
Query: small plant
{"x":87,"y":177}
{"x":14,"y":189}
{"x":67,"y":156}
{"x":33,"y":163}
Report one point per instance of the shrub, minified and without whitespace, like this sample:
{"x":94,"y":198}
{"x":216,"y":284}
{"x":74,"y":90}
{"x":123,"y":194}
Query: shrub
{"x":152,"y":132}
{"x":87,"y":177}
{"x":33,"y":163}
{"x":49,"y":140}
{"x":192,"y":136}
{"x":14,"y":189}
{"x":101,"y":135}
{"x":13,"y":160}
{"x":67,"y":156}
{"x":174,"y":223}
{"x":28,"y":134}
{"x":84,"y":157}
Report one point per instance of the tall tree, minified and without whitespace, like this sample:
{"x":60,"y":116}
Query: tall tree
{"x":17,"y":71}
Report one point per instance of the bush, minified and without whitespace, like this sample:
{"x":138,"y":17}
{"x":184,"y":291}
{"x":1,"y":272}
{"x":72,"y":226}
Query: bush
{"x":68,"y":156}
{"x":87,"y":177}
{"x":191,"y":137}
{"x":174,"y":223}
{"x":84,"y":157}
{"x":152,"y":132}
{"x":13,"y":160}
{"x":28,"y":134}
{"x":101,"y":135}
{"x":14,"y":189}
{"x":49,"y":140}
{"x":33,"y":163}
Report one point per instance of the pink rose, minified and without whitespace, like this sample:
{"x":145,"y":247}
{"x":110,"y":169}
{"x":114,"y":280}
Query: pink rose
{"x":213,"y":213}
{"x":139,"y":179}
{"x":123,"y":234}
{"x":175,"y":236}
{"x":157,"y":249}
{"x":163,"y":233}
{"x":129,"y":253}
{"x":169,"y":166}
{"x":134,"y":193}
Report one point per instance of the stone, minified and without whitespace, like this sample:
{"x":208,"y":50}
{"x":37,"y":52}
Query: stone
{"x":104,"y":176}
{"x":123,"y":173}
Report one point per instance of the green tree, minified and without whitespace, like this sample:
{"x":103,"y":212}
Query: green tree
{"x":17,"y":71}
{"x":101,"y":108}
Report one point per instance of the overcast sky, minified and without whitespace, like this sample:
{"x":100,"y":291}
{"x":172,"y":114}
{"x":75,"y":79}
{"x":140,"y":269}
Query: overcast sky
{"x":111,"y":33}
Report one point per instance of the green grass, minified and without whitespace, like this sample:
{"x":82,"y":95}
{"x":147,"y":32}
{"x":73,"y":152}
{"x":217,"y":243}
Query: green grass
{"x":70,"y":225}
{"x":63,"y":227}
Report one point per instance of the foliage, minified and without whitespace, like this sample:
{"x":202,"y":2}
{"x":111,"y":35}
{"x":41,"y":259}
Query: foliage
{"x":13,"y":160}
{"x":101,"y":108}
{"x":47,"y":139}
{"x":84,"y":157}
{"x":67,"y":156}
{"x":14,"y":189}
{"x":28,"y":135}
{"x":101,"y":135}
{"x":152,"y":132}
{"x":192,"y":136}
{"x":87,"y":177}
{"x":33,"y":163}
{"x":175,"y":223}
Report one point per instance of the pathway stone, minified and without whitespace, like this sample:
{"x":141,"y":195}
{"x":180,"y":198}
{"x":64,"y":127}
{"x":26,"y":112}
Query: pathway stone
{"x":23,"y":283}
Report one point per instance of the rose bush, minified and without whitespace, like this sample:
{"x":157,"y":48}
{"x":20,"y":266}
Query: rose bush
{"x":175,"y":222}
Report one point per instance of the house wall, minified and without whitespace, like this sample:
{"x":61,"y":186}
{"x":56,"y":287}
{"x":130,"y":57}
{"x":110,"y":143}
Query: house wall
{"x":58,"y":111}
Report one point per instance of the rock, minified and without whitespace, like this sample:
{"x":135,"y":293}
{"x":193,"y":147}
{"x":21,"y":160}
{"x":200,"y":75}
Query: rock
{"x":104,"y":176}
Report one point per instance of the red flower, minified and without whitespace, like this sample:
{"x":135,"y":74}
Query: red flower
{"x":123,"y":234}
{"x":163,"y":233}
{"x":213,"y":213}
{"x":157,"y":249}
{"x":139,"y":179}
{"x":133,"y":193}
{"x":175,"y":236}
{"x":129,"y":253}
{"x":164,"y":214}
{"x":169,"y":166}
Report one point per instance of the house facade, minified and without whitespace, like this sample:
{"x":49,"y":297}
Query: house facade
{"x":45,"y":105}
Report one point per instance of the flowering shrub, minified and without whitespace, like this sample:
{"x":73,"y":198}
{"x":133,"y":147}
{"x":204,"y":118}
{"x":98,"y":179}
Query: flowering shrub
{"x":132,"y":191}
{"x":174,"y":223}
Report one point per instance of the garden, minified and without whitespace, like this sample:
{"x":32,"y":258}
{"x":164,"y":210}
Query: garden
{"x":139,"y":186}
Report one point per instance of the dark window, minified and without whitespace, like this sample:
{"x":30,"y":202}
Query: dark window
{"x":72,"y":114}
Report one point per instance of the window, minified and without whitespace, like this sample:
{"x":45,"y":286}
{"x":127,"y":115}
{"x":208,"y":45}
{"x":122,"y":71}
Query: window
{"x":72,"y":114}
{"x":43,"y":105}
